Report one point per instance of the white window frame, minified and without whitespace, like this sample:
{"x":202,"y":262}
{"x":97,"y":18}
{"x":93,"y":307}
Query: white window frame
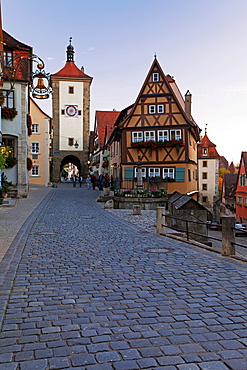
{"x":35,"y":171}
{"x":163,"y":135}
{"x":240,"y":199}
{"x":168,"y":172}
{"x":156,"y":77}
{"x":175,"y":134}
{"x":143,"y":172}
{"x":160,"y":108}
{"x":205,"y":152}
{"x":37,"y":130}
{"x":154,"y":172}
{"x":152,"y":109}
{"x":149,"y":135}
{"x":137,"y":136}
{"x":35,"y":148}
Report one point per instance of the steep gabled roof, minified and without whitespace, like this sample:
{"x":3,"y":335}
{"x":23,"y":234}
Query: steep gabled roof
{"x":71,"y":70}
{"x":104,"y":120}
{"x":212,"y":151}
{"x":232,"y":168}
{"x":13,"y":43}
{"x":243,"y":161}
{"x":172,"y":89}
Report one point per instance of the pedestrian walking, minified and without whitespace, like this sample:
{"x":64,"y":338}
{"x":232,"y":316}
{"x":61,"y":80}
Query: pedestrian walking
{"x":101,"y":181}
{"x":88,"y":182}
{"x":80,"y":180}
{"x":93,"y":181}
{"x":74,"y":181}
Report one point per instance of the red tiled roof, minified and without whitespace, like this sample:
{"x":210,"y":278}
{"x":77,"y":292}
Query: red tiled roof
{"x":244,"y":156}
{"x":105,"y":120}
{"x":212,"y":151}
{"x":71,"y":70}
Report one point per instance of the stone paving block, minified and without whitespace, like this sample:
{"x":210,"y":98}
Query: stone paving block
{"x":10,"y":366}
{"x":97,"y":367}
{"x":237,"y":364}
{"x":170,"y":360}
{"x":188,"y":367}
{"x":213,"y":365}
{"x":6,"y":357}
{"x":59,"y":363}
{"x":83,"y":360}
{"x":126,"y":365}
{"x":145,"y":363}
{"x":170,"y":350}
{"x":34,"y":365}
{"x":99,"y":347}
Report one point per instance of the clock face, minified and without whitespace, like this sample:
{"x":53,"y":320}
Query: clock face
{"x":71,"y":110}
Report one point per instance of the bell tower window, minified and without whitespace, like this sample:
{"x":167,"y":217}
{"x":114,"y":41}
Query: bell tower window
{"x":71,"y":89}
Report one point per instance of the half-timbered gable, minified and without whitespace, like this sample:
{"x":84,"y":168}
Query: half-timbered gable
{"x":160,"y":132}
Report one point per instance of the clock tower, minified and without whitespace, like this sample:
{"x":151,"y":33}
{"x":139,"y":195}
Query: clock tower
{"x":71,"y":117}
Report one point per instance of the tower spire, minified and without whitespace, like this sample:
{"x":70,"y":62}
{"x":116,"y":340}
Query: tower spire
{"x":206,"y":129}
{"x":70,"y":51}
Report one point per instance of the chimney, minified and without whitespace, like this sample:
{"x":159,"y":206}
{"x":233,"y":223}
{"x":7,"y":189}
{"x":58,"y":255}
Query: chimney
{"x":82,"y":69}
{"x":188,"y":103}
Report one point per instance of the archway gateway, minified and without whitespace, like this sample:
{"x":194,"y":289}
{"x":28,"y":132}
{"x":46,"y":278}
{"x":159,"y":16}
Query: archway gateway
{"x":74,"y":161}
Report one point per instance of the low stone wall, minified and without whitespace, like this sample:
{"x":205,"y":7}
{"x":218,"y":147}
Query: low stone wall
{"x":144,"y":203}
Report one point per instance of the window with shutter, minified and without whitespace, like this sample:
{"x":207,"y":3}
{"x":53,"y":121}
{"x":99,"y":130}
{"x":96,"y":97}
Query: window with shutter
{"x":180,"y":174}
{"x":128,"y":173}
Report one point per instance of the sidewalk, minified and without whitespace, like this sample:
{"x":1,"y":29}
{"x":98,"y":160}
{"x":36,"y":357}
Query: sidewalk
{"x":12,"y":218}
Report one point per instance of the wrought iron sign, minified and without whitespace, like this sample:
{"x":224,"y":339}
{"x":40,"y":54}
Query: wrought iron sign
{"x":40,"y":85}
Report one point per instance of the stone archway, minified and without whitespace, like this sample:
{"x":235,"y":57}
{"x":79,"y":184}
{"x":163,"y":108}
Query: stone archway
{"x":71,"y":159}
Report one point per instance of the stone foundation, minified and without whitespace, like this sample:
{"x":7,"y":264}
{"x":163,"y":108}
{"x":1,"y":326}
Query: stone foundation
{"x":144,"y":203}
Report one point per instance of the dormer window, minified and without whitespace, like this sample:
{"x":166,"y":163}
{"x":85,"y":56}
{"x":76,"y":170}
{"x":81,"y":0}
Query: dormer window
{"x":205,"y":151}
{"x":155,"y":77}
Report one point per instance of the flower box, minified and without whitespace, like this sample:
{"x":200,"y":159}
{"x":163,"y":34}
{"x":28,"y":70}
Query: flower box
{"x":8,"y":113}
{"x":151,"y":144}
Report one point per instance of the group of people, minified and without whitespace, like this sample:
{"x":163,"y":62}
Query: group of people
{"x":103,"y":181}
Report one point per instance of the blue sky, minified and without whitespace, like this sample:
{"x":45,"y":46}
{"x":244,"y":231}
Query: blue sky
{"x":202,"y":43}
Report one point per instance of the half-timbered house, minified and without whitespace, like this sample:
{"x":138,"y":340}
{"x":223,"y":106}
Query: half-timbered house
{"x":159,"y":133}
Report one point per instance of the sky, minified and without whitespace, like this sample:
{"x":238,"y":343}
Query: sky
{"x":201,"y":43}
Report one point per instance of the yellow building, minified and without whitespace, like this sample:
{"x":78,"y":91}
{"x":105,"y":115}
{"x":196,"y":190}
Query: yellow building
{"x":39,"y":143}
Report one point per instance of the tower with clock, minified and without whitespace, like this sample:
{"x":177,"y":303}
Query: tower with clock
{"x":71,"y":117}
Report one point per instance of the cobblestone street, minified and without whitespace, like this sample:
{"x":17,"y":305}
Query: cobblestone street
{"x":85,"y":289}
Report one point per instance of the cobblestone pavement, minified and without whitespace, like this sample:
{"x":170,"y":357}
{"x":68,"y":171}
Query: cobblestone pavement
{"x":85,"y":289}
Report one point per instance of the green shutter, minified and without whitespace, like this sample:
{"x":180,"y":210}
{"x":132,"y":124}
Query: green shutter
{"x":128,"y":173}
{"x":180,"y":174}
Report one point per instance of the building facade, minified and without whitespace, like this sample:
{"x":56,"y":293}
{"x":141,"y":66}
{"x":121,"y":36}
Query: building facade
{"x":71,"y":117}
{"x":16,"y":69}
{"x":39,"y":144}
{"x":208,"y":173}
{"x":158,"y":133}
{"x":103,"y":127}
